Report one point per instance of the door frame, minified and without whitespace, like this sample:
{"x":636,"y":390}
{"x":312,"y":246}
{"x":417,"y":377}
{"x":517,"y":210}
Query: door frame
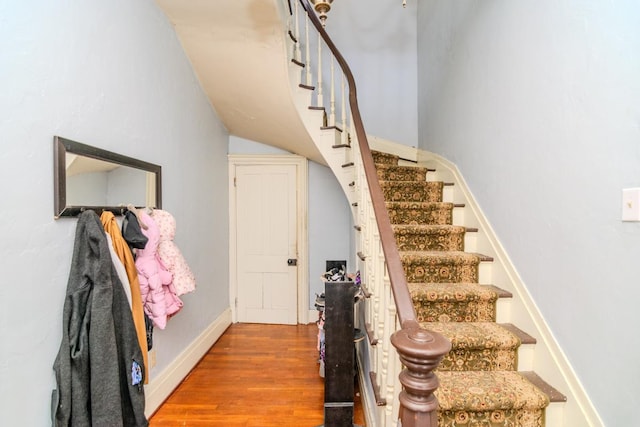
{"x":301,"y":225}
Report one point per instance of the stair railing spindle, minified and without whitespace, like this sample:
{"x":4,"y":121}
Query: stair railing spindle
{"x":308,"y":80}
{"x":389,"y":387}
{"x":343,"y":110}
{"x":320,"y":100}
{"x":297,"y":54}
{"x":332,"y":96}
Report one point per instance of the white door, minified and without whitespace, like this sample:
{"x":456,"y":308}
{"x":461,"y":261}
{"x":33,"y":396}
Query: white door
{"x":266,"y":253}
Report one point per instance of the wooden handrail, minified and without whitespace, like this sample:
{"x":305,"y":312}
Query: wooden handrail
{"x":420,"y":351}
{"x":404,"y":304}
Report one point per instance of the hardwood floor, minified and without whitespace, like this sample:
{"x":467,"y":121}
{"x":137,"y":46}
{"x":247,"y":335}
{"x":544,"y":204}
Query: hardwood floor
{"x":254,"y":376}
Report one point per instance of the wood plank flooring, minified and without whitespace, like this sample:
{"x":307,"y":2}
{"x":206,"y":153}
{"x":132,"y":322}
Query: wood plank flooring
{"x":254,"y":376}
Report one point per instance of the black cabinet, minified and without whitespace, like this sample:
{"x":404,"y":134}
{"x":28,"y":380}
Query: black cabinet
{"x":339,"y":357}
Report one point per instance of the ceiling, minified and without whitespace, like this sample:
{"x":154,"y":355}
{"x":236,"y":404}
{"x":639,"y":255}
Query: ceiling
{"x":238,"y":51}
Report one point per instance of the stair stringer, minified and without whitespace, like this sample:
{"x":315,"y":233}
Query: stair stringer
{"x":327,"y":141}
{"x":332,"y":143}
{"x":547,"y":358}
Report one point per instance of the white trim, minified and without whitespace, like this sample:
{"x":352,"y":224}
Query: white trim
{"x":302,"y":177}
{"x":367,"y":398}
{"x":160,"y":387}
{"x":403,"y":151}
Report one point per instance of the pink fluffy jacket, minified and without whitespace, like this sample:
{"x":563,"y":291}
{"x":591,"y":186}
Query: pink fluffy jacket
{"x":159,"y":296}
{"x":183,"y":279}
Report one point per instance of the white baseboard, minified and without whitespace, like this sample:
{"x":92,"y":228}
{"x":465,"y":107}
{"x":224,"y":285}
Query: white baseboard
{"x":367,"y":398}
{"x":160,"y":387}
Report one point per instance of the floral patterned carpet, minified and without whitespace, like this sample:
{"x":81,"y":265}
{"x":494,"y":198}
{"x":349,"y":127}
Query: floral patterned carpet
{"x":479,"y":382}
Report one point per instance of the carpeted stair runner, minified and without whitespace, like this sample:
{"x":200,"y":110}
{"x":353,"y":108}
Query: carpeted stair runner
{"x":489,"y":398}
{"x":477,"y":346}
{"x":479,"y":385}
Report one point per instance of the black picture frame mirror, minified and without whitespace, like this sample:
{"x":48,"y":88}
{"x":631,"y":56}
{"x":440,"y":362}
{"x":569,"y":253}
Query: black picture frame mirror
{"x":87,"y":177}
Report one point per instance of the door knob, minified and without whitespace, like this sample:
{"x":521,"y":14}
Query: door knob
{"x":292,"y":262}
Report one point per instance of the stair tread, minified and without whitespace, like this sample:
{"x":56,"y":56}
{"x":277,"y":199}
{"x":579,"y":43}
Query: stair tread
{"x":419,"y":205}
{"x":456,"y":256}
{"x":475,"y":335}
{"x":502,"y":293}
{"x":488,"y":391}
{"x":553,"y":394}
{"x":392,"y":183}
{"x":524,"y":337}
{"x":429,"y":228}
{"x":401,"y":167}
{"x":454,"y":291}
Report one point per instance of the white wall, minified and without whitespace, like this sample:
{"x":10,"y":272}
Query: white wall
{"x":110,"y":74}
{"x":378,"y":40}
{"x":330,"y":226}
{"x":538,"y":103}
{"x":329,"y":217}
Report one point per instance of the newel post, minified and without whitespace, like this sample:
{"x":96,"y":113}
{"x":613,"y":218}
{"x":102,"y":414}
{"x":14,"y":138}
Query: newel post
{"x":420,"y":352}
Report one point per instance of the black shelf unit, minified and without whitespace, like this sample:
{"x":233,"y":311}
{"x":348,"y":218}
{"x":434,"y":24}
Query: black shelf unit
{"x":339,"y":367}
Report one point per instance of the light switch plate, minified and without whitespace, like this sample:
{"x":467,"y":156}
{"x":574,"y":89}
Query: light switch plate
{"x":631,"y":204}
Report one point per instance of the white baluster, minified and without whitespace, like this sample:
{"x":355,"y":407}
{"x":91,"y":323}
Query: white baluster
{"x":343,"y":114}
{"x":296,"y":52}
{"x":320,"y":100}
{"x":332,"y":105}
{"x":307,"y":47}
{"x":392,"y":372}
{"x":351,"y":137}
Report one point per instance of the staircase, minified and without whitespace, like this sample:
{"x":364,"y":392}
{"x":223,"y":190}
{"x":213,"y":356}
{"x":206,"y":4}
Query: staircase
{"x":479,"y":381}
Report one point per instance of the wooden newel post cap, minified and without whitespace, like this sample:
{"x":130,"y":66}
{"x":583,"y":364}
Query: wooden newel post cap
{"x":420,"y":347}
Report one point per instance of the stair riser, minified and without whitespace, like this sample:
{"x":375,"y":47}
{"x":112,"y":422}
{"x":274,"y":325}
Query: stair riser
{"x":402,"y":174}
{"x":449,"y":311}
{"x":498,"y":359}
{"x":441,"y":272}
{"x":460,"y":359}
{"x":418,"y":192}
{"x":495,"y":418}
{"x":437,"y":216}
{"x":408,"y":241}
{"x":384,"y":158}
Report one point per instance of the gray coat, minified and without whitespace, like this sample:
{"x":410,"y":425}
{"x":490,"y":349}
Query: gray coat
{"x":99,"y":349}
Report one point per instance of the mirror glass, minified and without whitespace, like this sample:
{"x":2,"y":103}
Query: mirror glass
{"x":87,"y":177}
